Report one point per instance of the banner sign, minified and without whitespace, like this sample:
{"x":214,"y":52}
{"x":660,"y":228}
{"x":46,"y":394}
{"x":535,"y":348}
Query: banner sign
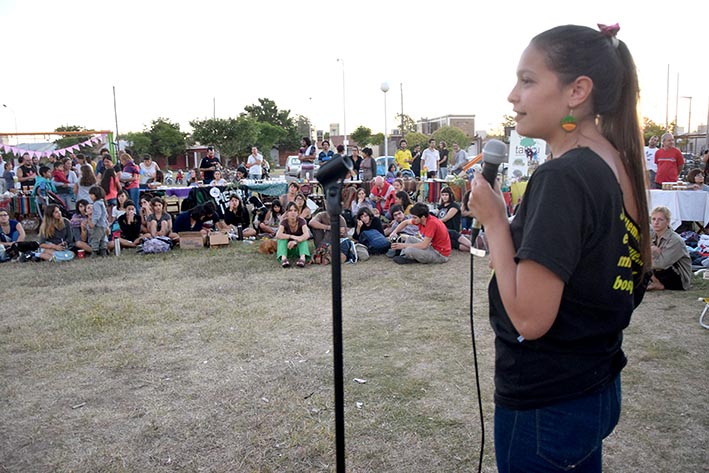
{"x":525,"y":155}
{"x":17,"y":151}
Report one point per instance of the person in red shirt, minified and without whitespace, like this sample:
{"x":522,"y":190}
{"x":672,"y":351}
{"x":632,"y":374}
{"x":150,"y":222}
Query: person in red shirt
{"x":435,"y":246}
{"x":669,"y":161}
{"x":380,"y":193}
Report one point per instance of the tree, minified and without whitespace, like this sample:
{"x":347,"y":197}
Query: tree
{"x":166,"y":139}
{"x":451,"y":134}
{"x":376,"y":139}
{"x":303,"y":126}
{"x":409,"y":123}
{"x":267,"y":112}
{"x":139,"y":142}
{"x":650,"y":128}
{"x":362,"y":136}
{"x":70,"y":140}
{"x":414,"y":138}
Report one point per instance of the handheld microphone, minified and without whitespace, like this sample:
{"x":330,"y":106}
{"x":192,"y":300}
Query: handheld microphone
{"x":494,"y":154}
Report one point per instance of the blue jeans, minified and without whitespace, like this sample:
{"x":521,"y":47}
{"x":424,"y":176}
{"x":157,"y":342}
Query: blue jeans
{"x":567,"y":436}
{"x":134,"y":195}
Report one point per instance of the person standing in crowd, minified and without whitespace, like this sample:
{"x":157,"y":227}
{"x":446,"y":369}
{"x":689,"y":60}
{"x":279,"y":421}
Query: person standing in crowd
{"x":209,"y":164}
{"x":429,"y":160}
{"x":403,"y":157}
{"x":416,"y":161}
{"x":671,"y":264}
{"x":650,"y":151}
{"x":130,"y":177}
{"x":669,"y":161}
{"x":26,"y":172}
{"x":306,"y":155}
{"x":356,"y":163}
{"x":568,"y":270}
{"x":254,"y":164}
{"x":460,"y":159}
{"x":98,"y":221}
{"x":85,"y":182}
{"x":435,"y":247}
{"x":442,"y":159}
{"x":148,"y":171}
{"x":326,"y":154}
{"x":8,"y":176}
{"x":368,"y":166}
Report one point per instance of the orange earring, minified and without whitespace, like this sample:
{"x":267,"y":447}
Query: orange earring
{"x":568,"y":123}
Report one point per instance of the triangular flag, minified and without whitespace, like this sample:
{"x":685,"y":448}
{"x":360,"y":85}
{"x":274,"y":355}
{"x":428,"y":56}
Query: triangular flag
{"x":62,"y":152}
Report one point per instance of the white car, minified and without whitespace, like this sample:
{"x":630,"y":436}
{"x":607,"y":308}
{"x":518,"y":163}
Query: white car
{"x":293,"y":166}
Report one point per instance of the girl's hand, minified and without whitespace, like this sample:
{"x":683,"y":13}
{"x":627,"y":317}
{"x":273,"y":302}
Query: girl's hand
{"x":486,"y":203}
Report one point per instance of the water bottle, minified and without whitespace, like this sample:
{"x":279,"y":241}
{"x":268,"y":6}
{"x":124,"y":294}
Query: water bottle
{"x":117,"y":246}
{"x":239,"y":233}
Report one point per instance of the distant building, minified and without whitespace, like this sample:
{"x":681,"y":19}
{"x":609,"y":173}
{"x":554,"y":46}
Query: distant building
{"x":465,"y":122}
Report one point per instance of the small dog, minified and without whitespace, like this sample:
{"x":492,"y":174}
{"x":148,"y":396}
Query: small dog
{"x":268,"y":247}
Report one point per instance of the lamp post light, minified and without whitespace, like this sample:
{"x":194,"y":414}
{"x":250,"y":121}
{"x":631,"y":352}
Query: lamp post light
{"x":689,"y":120}
{"x":14,"y":116}
{"x":385,"y":88}
{"x":344,"y":109}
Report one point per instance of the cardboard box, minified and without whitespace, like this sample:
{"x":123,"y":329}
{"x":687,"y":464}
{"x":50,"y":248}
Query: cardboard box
{"x":218,"y":239}
{"x":191,"y":240}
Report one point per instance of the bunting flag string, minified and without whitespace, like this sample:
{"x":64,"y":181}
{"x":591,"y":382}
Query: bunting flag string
{"x":60,"y":152}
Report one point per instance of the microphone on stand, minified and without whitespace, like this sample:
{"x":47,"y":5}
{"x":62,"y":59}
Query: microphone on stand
{"x":494,"y":154}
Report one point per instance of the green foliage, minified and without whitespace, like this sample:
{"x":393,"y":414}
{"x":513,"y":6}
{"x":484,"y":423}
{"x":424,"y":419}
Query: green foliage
{"x":163,"y":138}
{"x":139,"y":141}
{"x":303,"y":126}
{"x":451,"y":134}
{"x":414,"y":138}
{"x":70,"y":140}
{"x":362,"y":136}
{"x":377,"y":139}
{"x":267,"y":112}
{"x":409,"y":123}
{"x":166,"y":139}
{"x":650,"y":129}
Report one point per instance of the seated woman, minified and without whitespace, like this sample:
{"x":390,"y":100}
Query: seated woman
{"x":449,"y":213}
{"x":54,"y":233}
{"x":391,"y":173}
{"x":292,"y":236}
{"x":190,"y":221}
{"x":271,"y":219}
{"x":398,"y":186}
{"x":369,"y":232}
{"x":159,"y":222}
{"x":671,"y":265}
{"x":303,"y":209}
{"x":130,"y":224}
{"x":145,"y":211}
{"x":11,"y":231}
{"x":293,"y":189}
{"x":402,"y":198}
{"x":120,"y":207}
{"x":79,"y":225}
{"x":467,"y":216}
{"x":237,"y":215}
{"x":361,"y":200}
{"x":695,"y":180}
{"x":218,"y":179}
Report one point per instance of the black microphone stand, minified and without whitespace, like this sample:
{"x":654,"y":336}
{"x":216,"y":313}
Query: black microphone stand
{"x":333,"y":194}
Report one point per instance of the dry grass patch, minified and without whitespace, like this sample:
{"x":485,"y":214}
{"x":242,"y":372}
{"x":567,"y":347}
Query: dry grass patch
{"x":219,"y":360}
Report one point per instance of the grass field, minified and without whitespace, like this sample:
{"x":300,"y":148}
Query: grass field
{"x":221,"y":361}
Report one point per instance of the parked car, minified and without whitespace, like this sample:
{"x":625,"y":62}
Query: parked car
{"x":383,"y":163}
{"x":293,"y":166}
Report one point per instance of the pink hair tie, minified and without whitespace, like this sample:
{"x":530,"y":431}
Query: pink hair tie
{"x":610,"y":31}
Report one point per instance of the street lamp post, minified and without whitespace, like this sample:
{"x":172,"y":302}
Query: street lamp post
{"x":344,"y":109}
{"x":385,"y":88}
{"x":14,"y":116}
{"x":689,"y":120}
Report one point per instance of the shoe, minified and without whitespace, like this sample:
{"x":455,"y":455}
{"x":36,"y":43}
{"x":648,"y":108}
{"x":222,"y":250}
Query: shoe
{"x":285,"y":263}
{"x":391,"y":253}
{"x":403,"y":260}
{"x":300,"y":263}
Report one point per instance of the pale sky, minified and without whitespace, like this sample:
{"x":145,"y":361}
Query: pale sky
{"x":172,"y":58}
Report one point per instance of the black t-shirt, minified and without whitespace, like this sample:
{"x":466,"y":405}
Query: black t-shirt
{"x":443,"y":158}
{"x":240,"y":217}
{"x":453,"y":223}
{"x":129,"y":231}
{"x":416,"y":164}
{"x":571,"y":221}
{"x":26,"y":170}
{"x":208,"y":162}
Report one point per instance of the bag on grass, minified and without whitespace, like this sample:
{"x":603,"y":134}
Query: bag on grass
{"x":156,"y":245}
{"x":362,"y":252}
{"x":63,"y":255}
{"x":323,"y":254}
{"x":347,"y":248}
{"x":375,"y":242}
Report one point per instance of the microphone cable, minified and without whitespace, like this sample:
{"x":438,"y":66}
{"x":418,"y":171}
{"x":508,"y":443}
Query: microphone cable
{"x":475,"y":358}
